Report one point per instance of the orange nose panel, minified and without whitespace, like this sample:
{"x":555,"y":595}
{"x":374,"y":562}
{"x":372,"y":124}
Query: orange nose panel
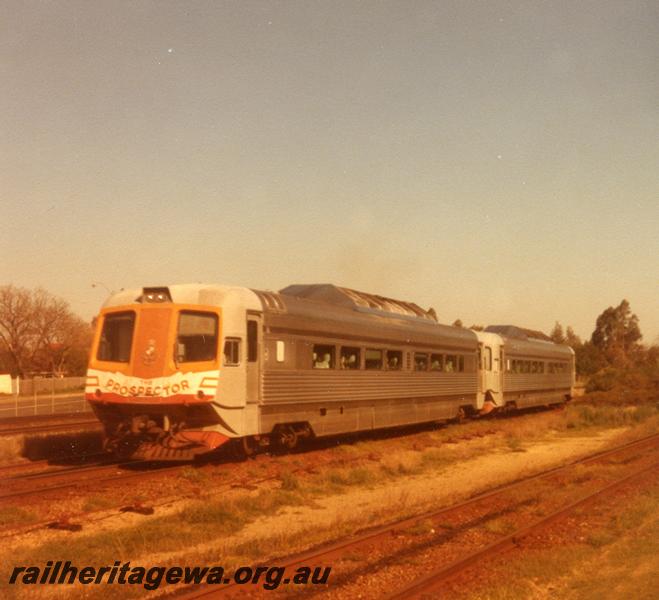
{"x":152,"y":349}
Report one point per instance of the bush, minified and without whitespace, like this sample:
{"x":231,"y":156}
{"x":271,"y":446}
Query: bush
{"x":604,"y":380}
{"x":631,"y":379}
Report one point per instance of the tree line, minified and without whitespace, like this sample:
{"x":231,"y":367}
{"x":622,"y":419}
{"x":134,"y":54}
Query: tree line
{"x":40,"y":334}
{"x":614,"y":344}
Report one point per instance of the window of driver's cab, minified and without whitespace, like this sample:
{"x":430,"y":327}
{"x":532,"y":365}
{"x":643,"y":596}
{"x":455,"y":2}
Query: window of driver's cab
{"x":196,"y":336}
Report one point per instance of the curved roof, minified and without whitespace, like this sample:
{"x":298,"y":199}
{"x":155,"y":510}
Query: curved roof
{"x":190,"y":293}
{"x":527,"y":342}
{"x":331,"y":311}
{"x":512,"y":331}
{"x":341,"y":296}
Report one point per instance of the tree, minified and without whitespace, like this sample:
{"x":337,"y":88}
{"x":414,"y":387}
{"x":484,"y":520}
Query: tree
{"x":15,"y":327}
{"x":651,"y":360}
{"x":457,"y":323}
{"x":617,"y":335}
{"x":477,"y":328}
{"x":38,"y":332}
{"x":572,"y":339}
{"x":589,"y":359}
{"x":557,"y":334}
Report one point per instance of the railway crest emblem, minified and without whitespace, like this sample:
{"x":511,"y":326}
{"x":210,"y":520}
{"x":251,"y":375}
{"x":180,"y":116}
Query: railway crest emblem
{"x":149,"y":355}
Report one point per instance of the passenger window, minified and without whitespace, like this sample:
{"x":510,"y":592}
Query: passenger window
{"x":450,"y":363}
{"x":394,"y":360}
{"x":280,"y":349}
{"x":252,"y":341}
{"x":461,"y":364}
{"x":323,"y":356}
{"x":420,"y":362}
{"x":350,"y":358}
{"x":197,"y":337}
{"x":232,"y":352}
{"x":373,"y":359}
{"x":435,"y":362}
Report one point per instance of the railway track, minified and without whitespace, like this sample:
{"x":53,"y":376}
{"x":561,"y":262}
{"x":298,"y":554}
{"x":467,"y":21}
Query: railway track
{"x":431,"y":583}
{"x":19,"y":469}
{"x":49,"y":425}
{"x":40,"y":483}
{"x":470,"y":514}
{"x":72,"y":521}
{"x":36,"y":484}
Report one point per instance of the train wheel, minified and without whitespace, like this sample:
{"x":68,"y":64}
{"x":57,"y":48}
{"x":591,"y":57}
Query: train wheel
{"x":287,"y":438}
{"x":461,"y":415}
{"x":243,"y":448}
{"x":121,"y":448}
{"x":249,"y":446}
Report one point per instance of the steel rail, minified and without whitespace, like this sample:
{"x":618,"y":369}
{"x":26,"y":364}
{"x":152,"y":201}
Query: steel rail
{"x":19,"y":466}
{"x":109,"y":463}
{"x":55,"y":427}
{"x":24,"y":470}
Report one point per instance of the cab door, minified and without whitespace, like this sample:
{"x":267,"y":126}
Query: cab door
{"x":490,"y":367}
{"x":254,"y":349}
{"x":491,"y":371}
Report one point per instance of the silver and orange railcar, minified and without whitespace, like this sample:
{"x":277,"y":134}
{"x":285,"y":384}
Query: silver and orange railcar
{"x":180,"y":370}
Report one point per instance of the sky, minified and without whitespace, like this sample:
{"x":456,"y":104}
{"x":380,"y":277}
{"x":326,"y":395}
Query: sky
{"x":498,"y":161}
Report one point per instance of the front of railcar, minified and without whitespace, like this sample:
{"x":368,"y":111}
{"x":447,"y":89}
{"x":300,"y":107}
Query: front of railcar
{"x":155,"y":377}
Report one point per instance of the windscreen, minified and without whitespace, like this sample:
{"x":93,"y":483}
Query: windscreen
{"x":116,"y":337}
{"x":196,"y":337}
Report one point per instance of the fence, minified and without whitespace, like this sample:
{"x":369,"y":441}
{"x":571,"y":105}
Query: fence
{"x":43,"y":396}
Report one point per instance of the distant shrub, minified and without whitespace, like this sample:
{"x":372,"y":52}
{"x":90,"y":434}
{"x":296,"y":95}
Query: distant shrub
{"x":623,"y":380}
{"x":604,"y":380}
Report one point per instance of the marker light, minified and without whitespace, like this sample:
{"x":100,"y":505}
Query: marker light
{"x":156,"y":295}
